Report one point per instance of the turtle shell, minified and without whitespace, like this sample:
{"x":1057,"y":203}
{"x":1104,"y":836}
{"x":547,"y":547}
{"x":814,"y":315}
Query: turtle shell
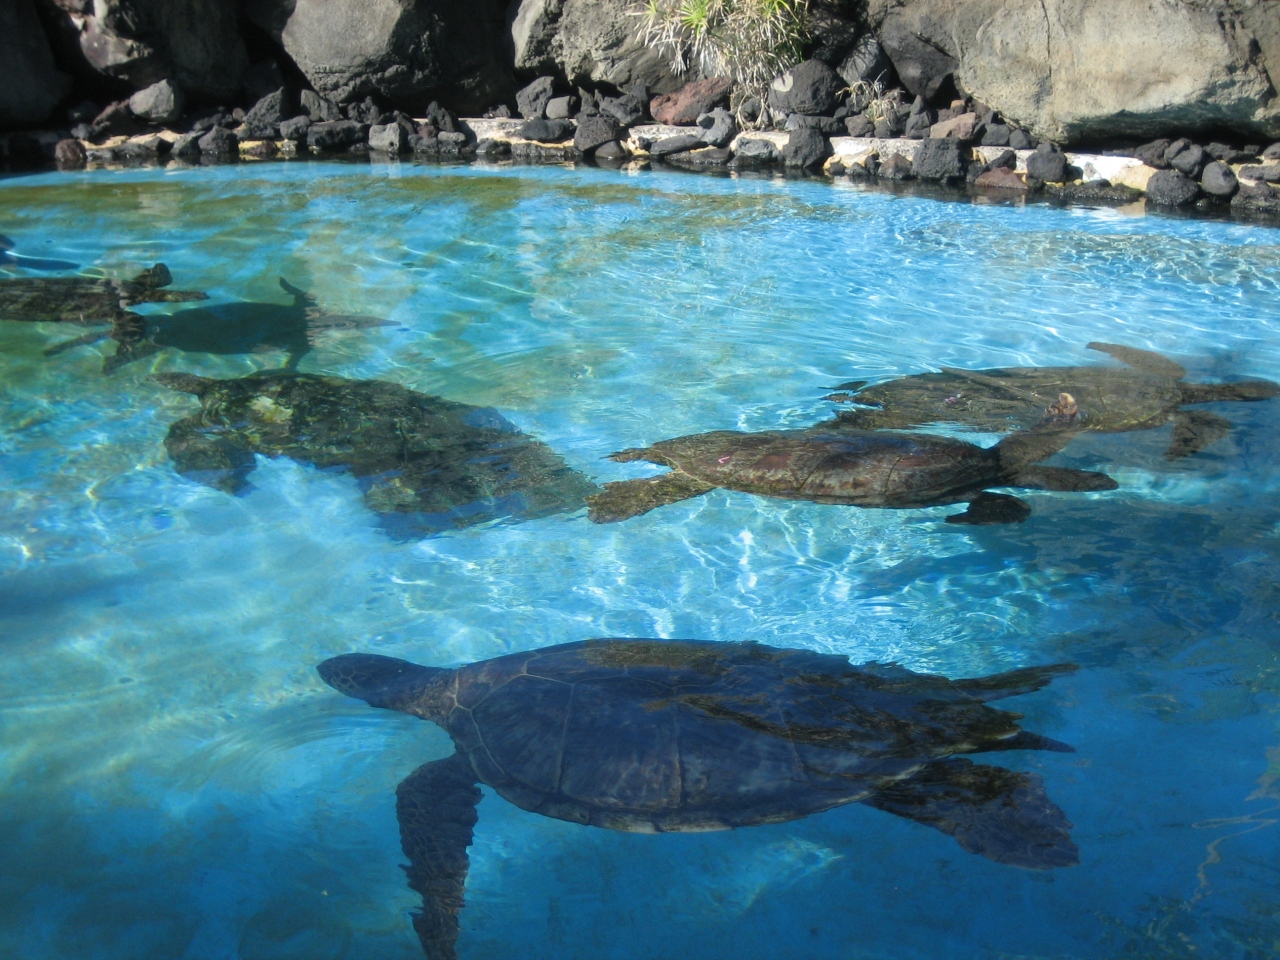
{"x":1001,"y":399}
{"x":80,"y":300}
{"x":863,"y":468}
{"x":662,"y":735}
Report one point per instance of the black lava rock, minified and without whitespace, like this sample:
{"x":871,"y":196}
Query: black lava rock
{"x":613,"y":150}
{"x":898,"y":167}
{"x":1169,"y":188}
{"x":1187,"y":158}
{"x":811,"y":88}
{"x":331,"y":136}
{"x":318,"y":108}
{"x":594,"y":131}
{"x":626,"y":109}
{"x":262,"y":122}
{"x":532,"y":100}
{"x":718,"y":127}
{"x":219,"y":141}
{"x":669,"y":145}
{"x":1218,"y":180}
{"x":827,"y":126}
{"x":1021,"y":140}
{"x":546,"y":131}
{"x":1152,"y":154}
{"x":995,"y":135}
{"x":944,"y":160}
{"x":1048,"y":163}
{"x":918,"y":125}
{"x":806,"y":147}
{"x":859,"y":126}
{"x":758,"y":151}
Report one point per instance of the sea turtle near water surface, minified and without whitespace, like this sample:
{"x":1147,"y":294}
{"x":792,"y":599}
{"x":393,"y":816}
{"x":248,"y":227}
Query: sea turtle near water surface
{"x":89,"y":301}
{"x":434,"y":463}
{"x":1149,"y":394}
{"x":861,"y":468}
{"x":666,"y":736}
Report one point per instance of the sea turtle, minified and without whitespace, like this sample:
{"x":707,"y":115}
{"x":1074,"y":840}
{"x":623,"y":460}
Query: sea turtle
{"x":654,"y":736}
{"x":861,"y":468}
{"x":1149,"y":394}
{"x":426,"y":462}
{"x":244,"y":327}
{"x":89,"y":301}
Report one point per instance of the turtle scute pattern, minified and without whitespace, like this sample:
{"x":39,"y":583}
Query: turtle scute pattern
{"x":434,"y":463}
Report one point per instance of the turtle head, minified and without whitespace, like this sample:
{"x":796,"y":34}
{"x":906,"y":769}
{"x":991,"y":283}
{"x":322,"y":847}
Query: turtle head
{"x":155,"y":278}
{"x":389,"y":683}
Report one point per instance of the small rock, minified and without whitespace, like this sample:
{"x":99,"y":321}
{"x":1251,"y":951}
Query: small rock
{"x":296,"y":129}
{"x":262,"y":122}
{"x":1021,"y":140}
{"x":750,"y":109}
{"x":219,"y":142}
{"x":718,"y":127}
{"x":1001,"y":178}
{"x":1007,"y":159}
{"x":669,"y":145}
{"x":560,"y":108}
{"x":532,"y":100}
{"x":500,"y":112}
{"x":683,"y":107}
{"x":366,"y":111}
{"x":70,"y":155}
{"x":1261,"y":171}
{"x":590,"y":105}
{"x":1048,"y":163}
{"x":960,"y":128}
{"x":187,"y":146}
{"x":1189,"y":160}
{"x":859,"y":126}
{"x":758,"y":151}
{"x":1152,"y":154}
{"x":1220,"y":151}
{"x":594,"y":131}
{"x":613,"y":150}
{"x":1272,"y":152}
{"x":836,"y":169}
{"x":918,"y":125}
{"x":1218,"y":180}
{"x":810,"y":87}
{"x":159,"y":103}
{"x":897,"y":167}
{"x":943,"y":160}
{"x":626,"y":109}
{"x":889,"y":127}
{"x":318,"y":108}
{"x":1095,"y":192}
{"x":452,"y":142}
{"x":388,"y":138}
{"x":116,"y":119}
{"x":805,"y":148}
{"x":261,"y":149}
{"x":702,"y":157}
{"x":995,"y":135}
{"x":1171,"y":189}
{"x":1255,"y":191}
{"x":331,"y":136}
{"x":440,"y":118}
{"x":827,"y":126}
{"x":546,"y":131}
{"x":493,"y":149}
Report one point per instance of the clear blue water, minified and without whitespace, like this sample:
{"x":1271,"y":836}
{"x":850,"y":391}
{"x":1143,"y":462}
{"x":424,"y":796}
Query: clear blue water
{"x":178,"y":782}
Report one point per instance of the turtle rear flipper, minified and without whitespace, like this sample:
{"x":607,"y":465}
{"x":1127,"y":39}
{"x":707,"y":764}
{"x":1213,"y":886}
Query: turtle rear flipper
{"x":1144,"y":360}
{"x":1193,"y":430}
{"x":990,"y":508}
{"x":1061,"y":478}
{"x":630,"y":498}
{"x":999,"y":814}
{"x":436,"y":809}
{"x":127,"y":353}
{"x":81,"y":341}
{"x":1013,"y":683}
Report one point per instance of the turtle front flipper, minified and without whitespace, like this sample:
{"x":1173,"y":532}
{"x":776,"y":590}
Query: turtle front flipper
{"x":1193,"y":430}
{"x":990,"y":508}
{"x":87,"y":339}
{"x":630,"y":498}
{"x":436,"y":809}
{"x":996,"y":813}
{"x":1144,"y":360}
{"x":208,"y":455}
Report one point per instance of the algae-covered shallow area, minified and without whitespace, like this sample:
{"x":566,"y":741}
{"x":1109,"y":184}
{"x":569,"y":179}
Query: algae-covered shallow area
{"x":179,"y":782}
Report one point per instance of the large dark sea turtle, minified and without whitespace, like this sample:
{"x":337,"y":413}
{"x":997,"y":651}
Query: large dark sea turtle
{"x":860,"y":468}
{"x":1149,"y":394}
{"x":429,"y":463}
{"x":89,"y":302}
{"x":684,"y":735}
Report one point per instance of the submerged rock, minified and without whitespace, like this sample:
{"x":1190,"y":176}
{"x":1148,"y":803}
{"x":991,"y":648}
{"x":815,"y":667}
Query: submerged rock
{"x":430,"y":464}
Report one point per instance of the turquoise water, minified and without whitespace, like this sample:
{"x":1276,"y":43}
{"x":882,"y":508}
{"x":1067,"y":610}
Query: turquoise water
{"x":179,"y":783}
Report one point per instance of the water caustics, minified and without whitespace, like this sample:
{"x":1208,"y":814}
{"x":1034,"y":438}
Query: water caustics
{"x":393,"y":455}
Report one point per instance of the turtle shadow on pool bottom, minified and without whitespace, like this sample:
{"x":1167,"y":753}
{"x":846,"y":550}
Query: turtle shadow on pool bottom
{"x":1149,"y":394}
{"x":859,"y":468}
{"x":683,"y":735}
{"x":426,"y":464}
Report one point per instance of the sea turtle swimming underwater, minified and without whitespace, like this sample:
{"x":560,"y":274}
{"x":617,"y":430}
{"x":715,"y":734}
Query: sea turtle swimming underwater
{"x":1149,"y":394}
{"x":434,"y":463}
{"x":683,"y":735}
{"x":89,"y":301}
{"x":861,"y":468}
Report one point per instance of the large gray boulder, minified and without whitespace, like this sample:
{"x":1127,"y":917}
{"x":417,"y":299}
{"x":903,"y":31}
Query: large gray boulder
{"x":30,"y":86}
{"x":195,"y":43}
{"x":589,"y":42}
{"x":1073,"y":70}
{"x":398,"y":51}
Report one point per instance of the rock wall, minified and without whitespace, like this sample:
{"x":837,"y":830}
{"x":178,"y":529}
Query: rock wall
{"x":30,"y":86}
{"x":1073,"y":70}
{"x":589,"y":42}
